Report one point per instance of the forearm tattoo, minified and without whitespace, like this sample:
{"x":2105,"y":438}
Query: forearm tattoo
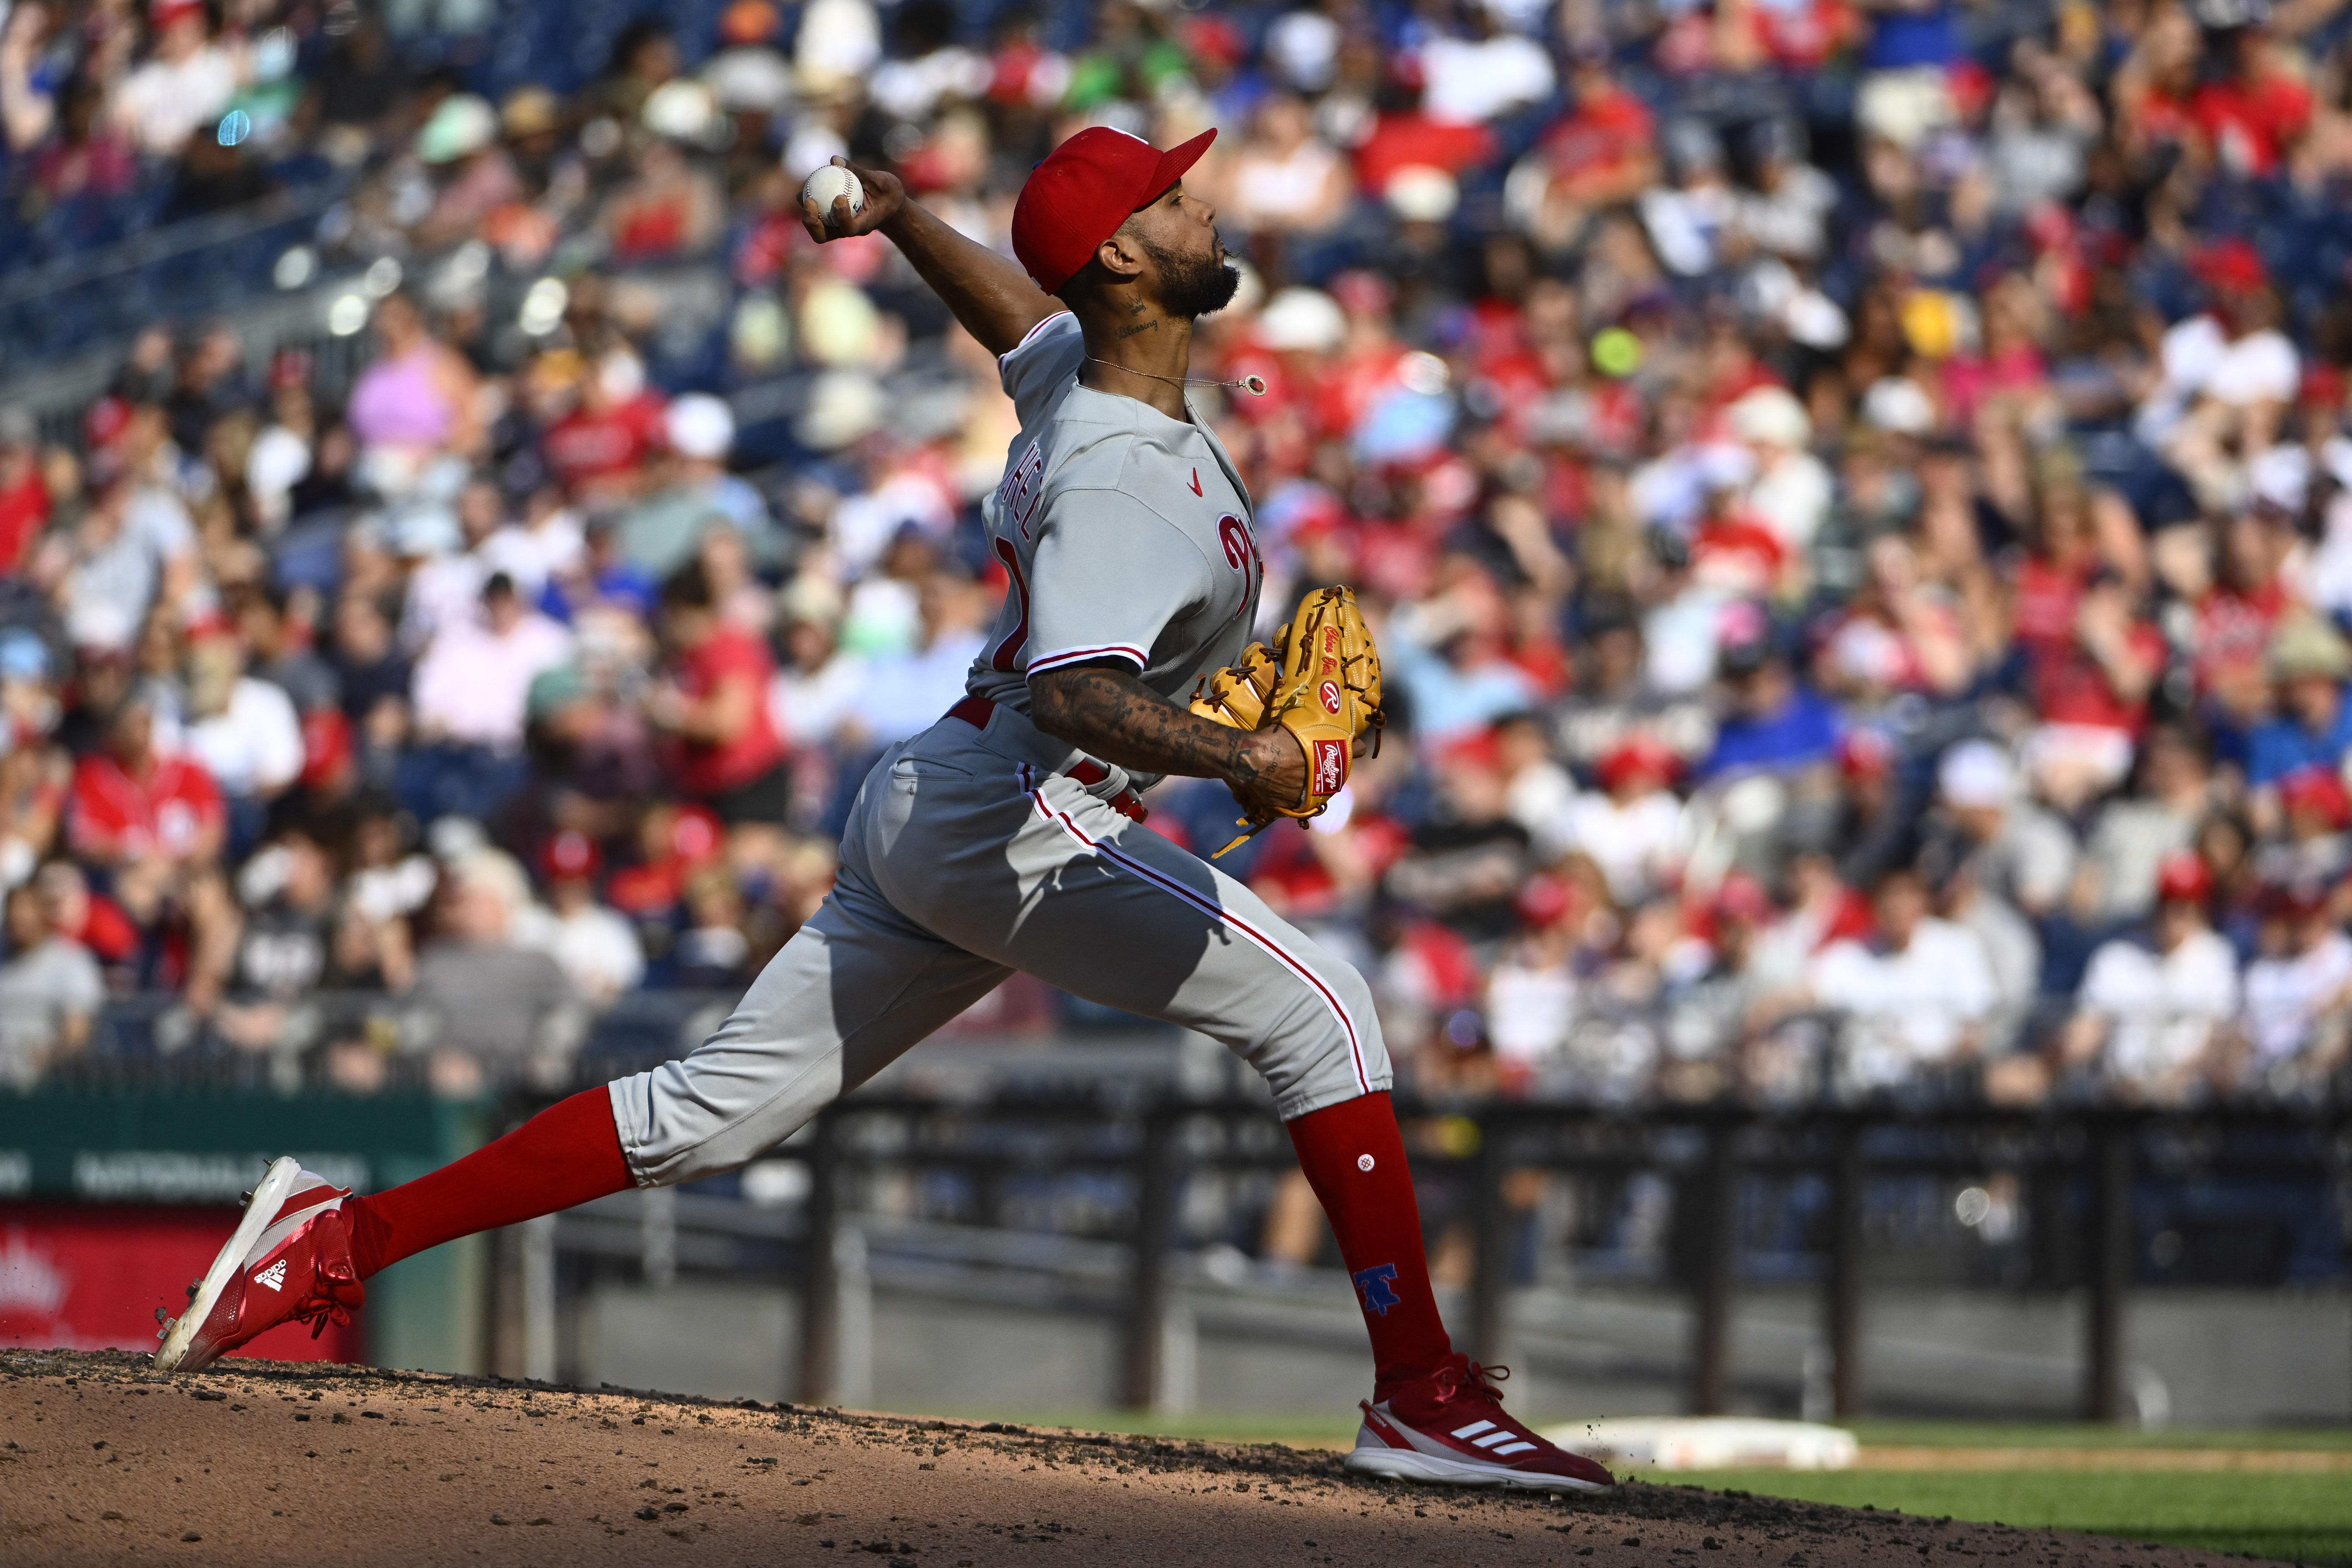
{"x":1111,"y":716}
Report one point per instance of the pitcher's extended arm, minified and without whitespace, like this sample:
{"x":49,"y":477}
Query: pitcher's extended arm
{"x":994,"y":299}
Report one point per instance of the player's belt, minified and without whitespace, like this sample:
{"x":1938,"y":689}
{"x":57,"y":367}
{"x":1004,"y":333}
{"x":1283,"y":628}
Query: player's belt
{"x":976,"y":711}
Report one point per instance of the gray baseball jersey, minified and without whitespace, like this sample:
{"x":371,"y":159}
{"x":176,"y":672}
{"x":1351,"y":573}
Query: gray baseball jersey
{"x":984,"y":845}
{"x":1126,"y":534}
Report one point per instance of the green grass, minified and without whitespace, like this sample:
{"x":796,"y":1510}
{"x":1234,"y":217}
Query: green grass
{"x":2292,"y":1518}
{"x":2070,"y":1435}
{"x":2287,"y":1517}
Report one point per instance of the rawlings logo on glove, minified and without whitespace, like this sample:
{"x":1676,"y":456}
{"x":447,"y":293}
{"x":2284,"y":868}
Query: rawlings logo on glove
{"x":1326,"y":691}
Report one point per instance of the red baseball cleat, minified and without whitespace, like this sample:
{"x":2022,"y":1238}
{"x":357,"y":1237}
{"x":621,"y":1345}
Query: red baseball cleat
{"x":290,"y":1257}
{"x":1449,"y":1428}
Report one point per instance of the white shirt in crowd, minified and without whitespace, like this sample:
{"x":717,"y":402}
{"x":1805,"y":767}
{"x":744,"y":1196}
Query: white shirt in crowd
{"x":594,"y":946}
{"x":1910,"y":1009}
{"x":552,"y":546}
{"x":472,"y":685}
{"x":253,"y":746}
{"x":2161,"y":1008}
{"x":1791,"y":498}
{"x":1529,"y":1007}
{"x":1475,"y":79}
{"x":808,"y":709}
{"x":2285,"y":996}
{"x":2199,"y":358}
{"x":165,"y":102}
{"x":1638,"y":845}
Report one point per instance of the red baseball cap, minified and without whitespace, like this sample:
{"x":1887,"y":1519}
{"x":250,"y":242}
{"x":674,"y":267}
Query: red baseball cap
{"x":1640,"y":756}
{"x":2229,"y":266}
{"x":2318,"y":789}
{"x":2181,"y":877}
{"x":570,"y":855}
{"x":1084,"y":190}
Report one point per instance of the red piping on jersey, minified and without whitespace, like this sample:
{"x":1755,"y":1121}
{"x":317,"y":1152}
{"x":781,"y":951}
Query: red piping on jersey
{"x":1260,"y":939}
{"x":1008,"y":652}
{"x":1026,"y":338}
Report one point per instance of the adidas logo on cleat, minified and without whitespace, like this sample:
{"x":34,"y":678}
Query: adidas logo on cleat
{"x":274,"y":1276}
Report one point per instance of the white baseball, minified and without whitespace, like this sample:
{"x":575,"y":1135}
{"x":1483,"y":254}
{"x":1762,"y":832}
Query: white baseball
{"x":830,"y":183}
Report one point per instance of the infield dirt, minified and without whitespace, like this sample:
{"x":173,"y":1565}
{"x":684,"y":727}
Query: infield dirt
{"x":267,"y":1463}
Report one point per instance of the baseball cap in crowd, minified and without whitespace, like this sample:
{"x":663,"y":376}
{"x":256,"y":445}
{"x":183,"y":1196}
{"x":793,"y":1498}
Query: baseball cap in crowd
{"x":1865,"y":754}
{"x":2229,"y":266}
{"x":530,"y":110}
{"x":2304,"y":644}
{"x":1542,"y":899}
{"x":1977,"y":776}
{"x":571,"y":856}
{"x":700,"y":425}
{"x":2319,"y":792}
{"x":2294,"y":901}
{"x":1639,"y":758}
{"x":1899,"y":405}
{"x":748,"y":22}
{"x":1084,"y":190}
{"x":462,"y":124}
{"x":1743,"y":638}
{"x":1303,"y":321}
{"x":2181,"y":877}
{"x":1742,"y":897}
{"x":1771,"y":416}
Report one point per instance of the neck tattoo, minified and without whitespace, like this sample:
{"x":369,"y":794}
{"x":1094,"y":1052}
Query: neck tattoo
{"x":1254,"y":385}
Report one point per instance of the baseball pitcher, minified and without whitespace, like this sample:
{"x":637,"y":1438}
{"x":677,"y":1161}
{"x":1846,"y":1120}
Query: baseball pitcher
{"x":1010,"y":835}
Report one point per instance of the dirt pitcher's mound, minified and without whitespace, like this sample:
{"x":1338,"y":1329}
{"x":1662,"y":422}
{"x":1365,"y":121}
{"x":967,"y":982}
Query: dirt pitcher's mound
{"x":276,"y":1463}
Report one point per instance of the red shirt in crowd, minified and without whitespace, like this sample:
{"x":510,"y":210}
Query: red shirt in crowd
{"x":24,"y":513}
{"x":111,"y":816}
{"x":2069,"y":683}
{"x":2234,"y":633}
{"x":586,"y":445}
{"x":727,"y":653}
{"x":1609,"y":134}
{"x":2249,"y":124}
{"x":1404,"y":140}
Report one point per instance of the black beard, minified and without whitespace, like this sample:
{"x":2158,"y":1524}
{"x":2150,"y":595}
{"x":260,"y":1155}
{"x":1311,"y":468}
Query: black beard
{"x":1192,"y":285}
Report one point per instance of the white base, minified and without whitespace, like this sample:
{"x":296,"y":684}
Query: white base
{"x":270,"y":1192}
{"x":1708,"y":1443}
{"x":1412,"y":1465}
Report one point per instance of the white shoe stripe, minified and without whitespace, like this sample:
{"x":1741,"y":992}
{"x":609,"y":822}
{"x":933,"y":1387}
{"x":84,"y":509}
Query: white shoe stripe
{"x":1501,"y":1435}
{"x":1515,"y":1448}
{"x":1475,"y":1427}
{"x":1226,"y":917}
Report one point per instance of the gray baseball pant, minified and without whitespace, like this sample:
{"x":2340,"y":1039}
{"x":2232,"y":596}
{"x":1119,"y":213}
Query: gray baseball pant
{"x":966,"y":858}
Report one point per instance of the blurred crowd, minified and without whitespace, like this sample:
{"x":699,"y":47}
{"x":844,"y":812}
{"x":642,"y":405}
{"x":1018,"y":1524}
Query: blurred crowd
{"x":1856,"y":499}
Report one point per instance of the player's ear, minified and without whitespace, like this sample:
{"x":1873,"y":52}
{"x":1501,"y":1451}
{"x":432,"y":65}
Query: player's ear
{"x":1120,"y":255}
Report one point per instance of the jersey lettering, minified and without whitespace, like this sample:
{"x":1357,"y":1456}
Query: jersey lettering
{"x":1021,"y":489}
{"x":1241,"y":553}
{"x":1008,"y":652}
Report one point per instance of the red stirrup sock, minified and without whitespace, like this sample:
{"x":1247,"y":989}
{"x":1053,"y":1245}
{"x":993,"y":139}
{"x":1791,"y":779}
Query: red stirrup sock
{"x":1355,"y":1160}
{"x":567,"y":1154}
